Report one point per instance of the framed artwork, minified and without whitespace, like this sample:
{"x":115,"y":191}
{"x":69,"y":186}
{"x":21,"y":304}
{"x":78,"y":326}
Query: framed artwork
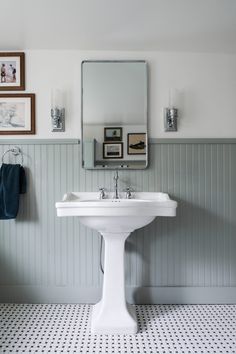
{"x":113,"y":134}
{"x":12,"y":71}
{"x":17,"y":113}
{"x":136,"y":144}
{"x":112,"y":150}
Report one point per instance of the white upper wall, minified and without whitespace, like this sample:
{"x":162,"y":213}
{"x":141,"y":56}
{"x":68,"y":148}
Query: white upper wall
{"x":159,"y":25}
{"x":206,"y":84}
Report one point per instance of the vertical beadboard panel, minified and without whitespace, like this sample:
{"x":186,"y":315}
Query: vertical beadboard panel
{"x":232,"y":218}
{"x":197,"y":248}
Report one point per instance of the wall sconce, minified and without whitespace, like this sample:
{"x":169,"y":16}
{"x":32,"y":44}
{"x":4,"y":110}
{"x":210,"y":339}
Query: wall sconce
{"x":171,"y":113}
{"x":57,"y":111}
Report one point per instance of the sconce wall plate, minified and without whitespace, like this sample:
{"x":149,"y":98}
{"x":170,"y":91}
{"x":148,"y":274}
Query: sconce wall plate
{"x":58,"y":119}
{"x":170,"y":119}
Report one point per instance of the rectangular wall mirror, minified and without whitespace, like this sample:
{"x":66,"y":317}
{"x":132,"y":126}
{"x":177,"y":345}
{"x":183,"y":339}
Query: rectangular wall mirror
{"x":114,"y":115}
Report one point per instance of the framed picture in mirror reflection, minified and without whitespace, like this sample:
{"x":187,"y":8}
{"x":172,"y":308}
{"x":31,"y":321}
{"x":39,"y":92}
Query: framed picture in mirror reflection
{"x":136,"y":143}
{"x":113,"y":134}
{"x":112,"y":150}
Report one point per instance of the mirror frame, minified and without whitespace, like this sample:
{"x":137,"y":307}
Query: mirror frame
{"x":121,"y":167}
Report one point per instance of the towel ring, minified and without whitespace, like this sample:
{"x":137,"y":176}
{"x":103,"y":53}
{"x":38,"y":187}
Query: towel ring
{"x":16,"y":151}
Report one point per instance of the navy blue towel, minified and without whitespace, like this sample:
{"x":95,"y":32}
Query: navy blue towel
{"x":12,"y":184}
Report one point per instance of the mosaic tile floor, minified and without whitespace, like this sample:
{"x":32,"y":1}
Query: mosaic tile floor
{"x":165,"y":329}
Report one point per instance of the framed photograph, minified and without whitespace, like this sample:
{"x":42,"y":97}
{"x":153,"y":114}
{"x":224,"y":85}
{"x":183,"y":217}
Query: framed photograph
{"x":136,"y":143}
{"x":113,"y":134}
{"x":12,"y":67}
{"x":112,"y":150}
{"x":17,"y":113}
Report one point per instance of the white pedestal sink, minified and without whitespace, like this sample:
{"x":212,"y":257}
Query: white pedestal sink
{"x":115,"y":219}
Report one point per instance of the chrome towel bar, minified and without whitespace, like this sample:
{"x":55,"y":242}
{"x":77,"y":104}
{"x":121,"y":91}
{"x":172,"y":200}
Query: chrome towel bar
{"x":16,"y":151}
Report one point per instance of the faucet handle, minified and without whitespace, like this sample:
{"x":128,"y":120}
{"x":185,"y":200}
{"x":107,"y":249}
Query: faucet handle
{"x":129,"y":191}
{"x":116,"y":176}
{"x":102,"y":193}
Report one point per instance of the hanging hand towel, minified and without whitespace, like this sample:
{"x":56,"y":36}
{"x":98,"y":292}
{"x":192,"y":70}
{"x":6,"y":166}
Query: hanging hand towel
{"x":12,"y":184}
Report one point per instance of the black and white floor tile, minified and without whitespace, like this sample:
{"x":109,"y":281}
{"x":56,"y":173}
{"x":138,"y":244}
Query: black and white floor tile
{"x":163,"y":329}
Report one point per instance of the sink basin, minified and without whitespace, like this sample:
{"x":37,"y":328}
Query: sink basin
{"x":126,"y":214}
{"x":115,"y":219}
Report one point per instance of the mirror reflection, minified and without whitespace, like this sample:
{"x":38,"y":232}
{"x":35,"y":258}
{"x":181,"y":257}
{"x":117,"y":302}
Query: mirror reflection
{"x":114,"y":114}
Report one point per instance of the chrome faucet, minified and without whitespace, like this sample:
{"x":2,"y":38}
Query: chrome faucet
{"x":128,"y":194}
{"x":102,"y":194}
{"x":116,"y":177}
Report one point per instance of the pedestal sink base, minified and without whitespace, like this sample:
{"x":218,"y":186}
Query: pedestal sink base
{"x":112,"y":314}
{"x":114,"y":321}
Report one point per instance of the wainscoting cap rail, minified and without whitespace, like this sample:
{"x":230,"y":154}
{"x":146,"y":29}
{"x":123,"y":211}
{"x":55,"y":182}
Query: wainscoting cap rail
{"x":193,"y":141}
{"x":151,"y":141}
{"x":39,"y":141}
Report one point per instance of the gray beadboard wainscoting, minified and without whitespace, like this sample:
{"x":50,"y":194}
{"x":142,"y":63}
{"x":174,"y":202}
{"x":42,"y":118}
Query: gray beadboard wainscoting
{"x":187,"y":259}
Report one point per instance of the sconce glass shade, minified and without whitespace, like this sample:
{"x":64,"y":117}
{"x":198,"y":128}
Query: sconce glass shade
{"x":173,"y":98}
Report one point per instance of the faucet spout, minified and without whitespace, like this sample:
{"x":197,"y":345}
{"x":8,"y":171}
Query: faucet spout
{"x":116,"y":177}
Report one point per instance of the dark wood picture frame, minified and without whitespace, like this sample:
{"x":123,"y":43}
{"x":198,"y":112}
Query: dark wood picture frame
{"x":31,"y":119}
{"x":6,"y":56}
{"x":137,"y":145}
{"x":114,"y":156}
{"x":107,"y":137}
